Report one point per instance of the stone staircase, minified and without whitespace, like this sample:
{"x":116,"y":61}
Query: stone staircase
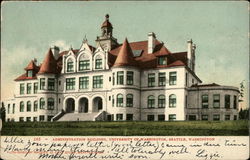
{"x":80,"y":116}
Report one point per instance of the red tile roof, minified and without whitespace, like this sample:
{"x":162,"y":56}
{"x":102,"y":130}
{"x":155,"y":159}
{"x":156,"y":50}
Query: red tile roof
{"x":125,"y":56}
{"x":24,"y":77}
{"x":49,"y":64}
{"x":32,"y":66}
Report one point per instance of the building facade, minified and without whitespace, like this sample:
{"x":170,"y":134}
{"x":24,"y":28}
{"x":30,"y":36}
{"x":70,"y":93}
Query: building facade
{"x":141,"y":81}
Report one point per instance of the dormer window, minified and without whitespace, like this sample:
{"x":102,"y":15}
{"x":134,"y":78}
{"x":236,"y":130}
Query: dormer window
{"x":30,"y":73}
{"x":84,"y":65}
{"x":98,"y":64}
{"x":70,"y":66}
{"x":162,"y":60}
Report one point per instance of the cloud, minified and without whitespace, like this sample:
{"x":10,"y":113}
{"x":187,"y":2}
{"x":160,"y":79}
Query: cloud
{"x":61,"y":44}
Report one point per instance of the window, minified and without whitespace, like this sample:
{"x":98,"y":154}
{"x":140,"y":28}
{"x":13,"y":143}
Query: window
{"x":70,"y":66}
{"x":28,"y":106}
{"x":83,"y":82}
{"x":162,"y":60}
{"x":227,"y":101}
{"x":97,"y":81}
{"x":161,"y":117}
{"x":216,"y":117}
{"x":34,"y":119}
{"x":28,"y":88}
{"x":51,"y":103}
{"x":84,"y":65}
{"x":98,"y":64}
{"x":8,"y":110}
{"x":216,"y":102}
{"x":129,"y":117}
{"x":130,"y":78}
{"x":227,"y":117}
{"x":35,"y":87}
{"x":119,"y":117}
{"x":113,"y":78}
{"x":172,"y":78}
{"x":235,"y":117}
{"x":151,"y":117}
{"x":204,"y":101}
{"x":186,"y":79}
{"x":70,"y":83}
{"x":162,"y":79}
{"x":28,"y":119}
{"x":120,"y":77}
{"x":172,"y":101}
{"x":50,"y":117}
{"x":21,"y":106}
{"x":161,"y":101}
{"x":21,"y":119}
{"x":235,"y":102}
{"x":29,"y":73}
{"x":204,"y":117}
{"x":151,"y":79}
{"x":42,"y":83}
{"x":22,"y":88}
{"x":42,"y":103}
{"x":41,"y":118}
{"x":35,"y":106}
{"x":151,"y":101}
{"x":51,"y":84}
{"x":13,"y":108}
{"x":119,"y":100}
{"x":129,"y":100}
{"x":172,"y":117}
{"x":192,"y":117}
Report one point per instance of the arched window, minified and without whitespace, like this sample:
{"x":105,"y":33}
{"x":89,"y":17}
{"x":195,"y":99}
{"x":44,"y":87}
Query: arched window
{"x":35,"y":106}
{"x":151,"y":101}
{"x":42,"y":103}
{"x":51,"y":103}
{"x":98,"y":62}
{"x":161,"y":101}
{"x":28,"y":106}
{"x":129,"y":100}
{"x":172,"y":101}
{"x":70,"y":65}
{"x":119,"y":100}
{"x":21,"y":106}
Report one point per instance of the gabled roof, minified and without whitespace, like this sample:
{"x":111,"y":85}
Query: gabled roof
{"x":163,"y":51}
{"x":125,"y":56}
{"x":31,"y":66}
{"x":49,"y":64}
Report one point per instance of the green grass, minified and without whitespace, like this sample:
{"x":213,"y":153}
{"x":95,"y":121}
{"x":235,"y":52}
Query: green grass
{"x":188,"y":128}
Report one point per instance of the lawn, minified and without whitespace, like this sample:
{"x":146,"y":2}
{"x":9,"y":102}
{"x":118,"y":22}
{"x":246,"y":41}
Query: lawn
{"x":183,"y":128}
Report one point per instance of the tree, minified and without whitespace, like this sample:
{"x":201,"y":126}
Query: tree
{"x":3,"y":112}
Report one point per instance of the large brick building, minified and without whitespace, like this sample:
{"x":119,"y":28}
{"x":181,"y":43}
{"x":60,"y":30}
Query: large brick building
{"x":112,"y":81}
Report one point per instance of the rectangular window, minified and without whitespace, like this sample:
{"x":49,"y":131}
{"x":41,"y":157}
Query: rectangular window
{"x":204,"y":101}
{"x":162,"y":60}
{"x":192,"y":117}
{"x":70,"y":66}
{"x":28,"y":119}
{"x":162,"y":79}
{"x":50,"y":117}
{"x":151,"y":80}
{"x":161,"y":117}
{"x":204,"y":117}
{"x":172,"y":117}
{"x":22,"y":88}
{"x":129,"y":117}
{"x":113,"y":101}
{"x":28,"y":88}
{"x":34,"y":119}
{"x":84,"y":65}
{"x":151,"y":117}
{"x":119,"y":117}
{"x":51,"y":104}
{"x":120,"y":78}
{"x":216,"y":101}
{"x":227,"y":117}
{"x":8,"y":111}
{"x":21,"y":119}
{"x":41,"y":118}
{"x":98,"y":64}
{"x":30,"y":73}
{"x":130,"y":78}
{"x":235,"y":117}
{"x":113,"y":78}
{"x":216,"y":117}
{"x":35,"y":87}
{"x":13,"y":108}
{"x":83,"y":82}
{"x":235,"y":102}
{"x":51,"y":84}
{"x":70,"y":83}
{"x":186,"y":79}
{"x":42,"y":83}
{"x":97,"y":81}
{"x":227,"y":101}
{"x":172,"y":78}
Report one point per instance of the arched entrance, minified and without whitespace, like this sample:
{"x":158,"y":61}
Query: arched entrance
{"x":70,"y":105}
{"x":97,"y":104}
{"x":83,"y":105}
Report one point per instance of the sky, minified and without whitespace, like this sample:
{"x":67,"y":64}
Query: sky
{"x":219,"y":29}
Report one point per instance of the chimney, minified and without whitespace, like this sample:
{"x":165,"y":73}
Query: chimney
{"x":35,"y":61}
{"x":151,"y":42}
{"x":190,"y":54}
{"x":55,"y":50}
